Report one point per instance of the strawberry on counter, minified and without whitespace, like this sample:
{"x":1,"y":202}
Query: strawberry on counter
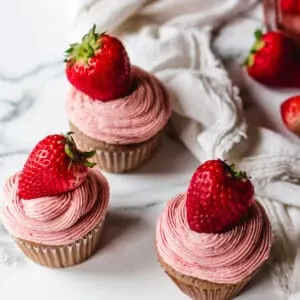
{"x":290,"y":114}
{"x":274,"y":60}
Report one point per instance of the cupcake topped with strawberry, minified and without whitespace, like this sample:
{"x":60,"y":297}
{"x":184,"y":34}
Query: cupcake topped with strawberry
{"x":115,"y":108}
{"x":56,"y":204}
{"x":214,"y":238}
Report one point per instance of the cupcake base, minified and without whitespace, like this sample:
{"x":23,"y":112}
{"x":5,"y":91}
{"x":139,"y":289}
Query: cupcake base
{"x":204,"y":290}
{"x":117,"y":158}
{"x":62,"y":256}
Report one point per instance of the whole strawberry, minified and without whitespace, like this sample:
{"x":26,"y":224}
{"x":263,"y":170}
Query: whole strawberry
{"x":273,"y":60}
{"x":99,"y":66}
{"x":290,"y":113}
{"x":218,"y":197}
{"x":53,"y":167}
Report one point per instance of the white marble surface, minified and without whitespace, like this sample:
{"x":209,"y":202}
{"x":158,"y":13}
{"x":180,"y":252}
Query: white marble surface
{"x":34,"y":35}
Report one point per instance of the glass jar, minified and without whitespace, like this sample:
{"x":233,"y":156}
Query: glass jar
{"x":283,"y":15}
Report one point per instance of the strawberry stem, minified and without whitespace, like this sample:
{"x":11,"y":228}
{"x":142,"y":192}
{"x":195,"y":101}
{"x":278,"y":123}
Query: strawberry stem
{"x":89,"y":164}
{"x":258,"y":44}
{"x":69,"y":151}
{"x":76,"y":156}
{"x":258,"y":34}
{"x":237,"y":173}
{"x":82,"y":52}
{"x":89,"y":154}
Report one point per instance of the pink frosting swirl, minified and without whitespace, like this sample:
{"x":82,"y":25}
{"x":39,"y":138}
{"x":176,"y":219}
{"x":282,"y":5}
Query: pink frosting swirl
{"x":56,"y":220}
{"x":228,"y":258}
{"x":132,"y":119}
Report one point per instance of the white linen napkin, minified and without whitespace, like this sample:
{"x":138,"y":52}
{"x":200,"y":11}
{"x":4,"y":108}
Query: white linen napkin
{"x":171,"y":38}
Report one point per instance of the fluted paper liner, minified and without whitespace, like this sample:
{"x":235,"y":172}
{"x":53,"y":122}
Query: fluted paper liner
{"x":117,"y":158}
{"x":62,"y":256}
{"x":204,"y":290}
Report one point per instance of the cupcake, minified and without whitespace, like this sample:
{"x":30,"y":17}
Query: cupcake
{"x":56,"y":206}
{"x":213,"y":239}
{"x":118,"y":110}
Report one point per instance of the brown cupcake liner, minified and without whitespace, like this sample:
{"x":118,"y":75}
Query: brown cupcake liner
{"x":213,"y":293}
{"x":204,"y":290}
{"x":62,"y":256}
{"x":117,"y":158}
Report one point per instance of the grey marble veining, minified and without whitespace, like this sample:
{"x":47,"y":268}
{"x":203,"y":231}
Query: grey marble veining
{"x":33,"y":72}
{"x":13,"y":109}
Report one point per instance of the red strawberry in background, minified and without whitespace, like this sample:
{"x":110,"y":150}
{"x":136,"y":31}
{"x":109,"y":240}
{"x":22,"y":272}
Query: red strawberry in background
{"x":290,"y":113}
{"x":274,"y":60}
{"x":99,"y":66}
{"x":218,"y":197}
{"x":53,"y":167}
{"x":289,"y":6}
